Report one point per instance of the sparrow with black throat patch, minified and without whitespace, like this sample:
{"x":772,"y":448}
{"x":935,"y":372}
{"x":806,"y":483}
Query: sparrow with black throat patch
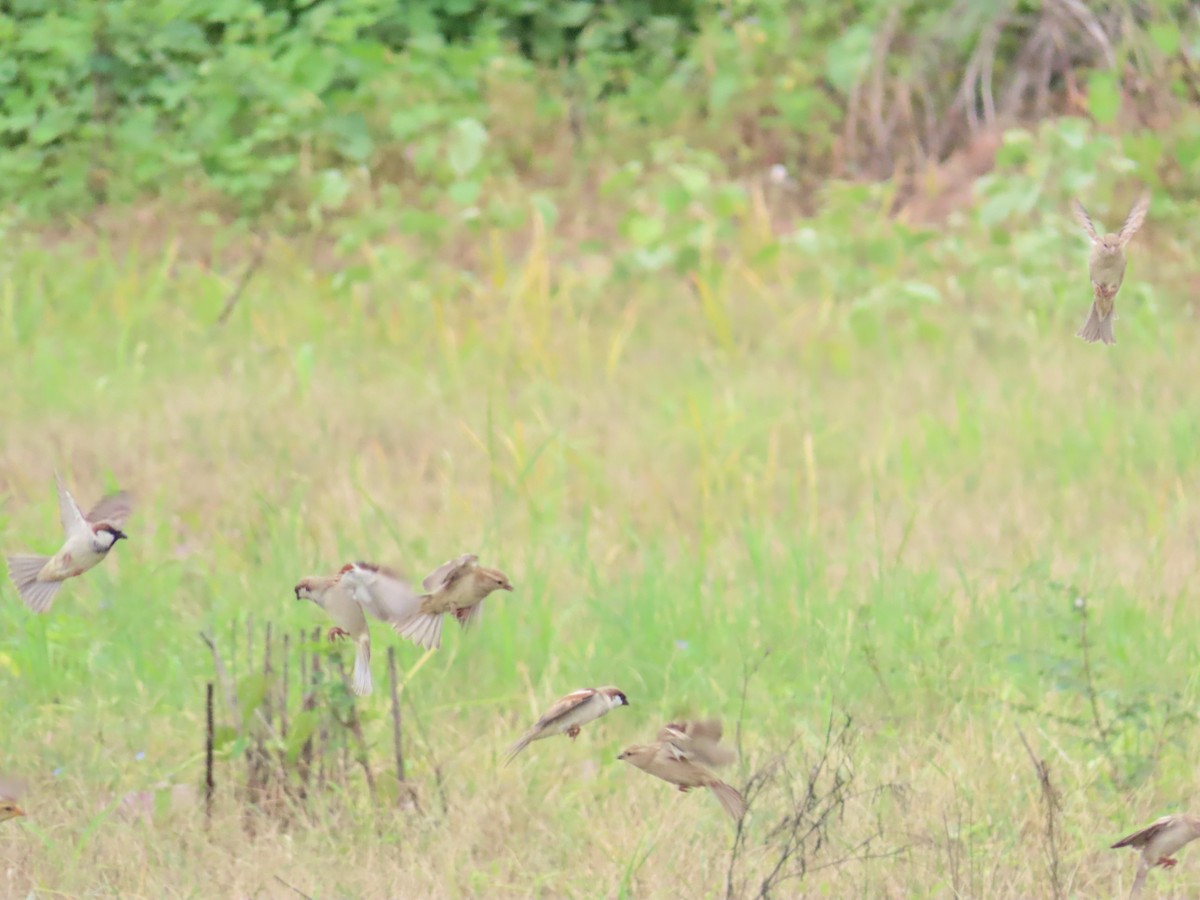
{"x":681,"y":756}
{"x":89,"y":539}
{"x":569,"y":714}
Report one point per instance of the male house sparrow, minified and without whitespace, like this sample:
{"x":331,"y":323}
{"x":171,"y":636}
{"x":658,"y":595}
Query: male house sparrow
{"x":457,"y":587}
{"x":1157,"y":842}
{"x":1106,"y":266}
{"x":89,"y":538}
{"x":569,"y":714}
{"x":680,"y":756}
{"x":335,"y":597}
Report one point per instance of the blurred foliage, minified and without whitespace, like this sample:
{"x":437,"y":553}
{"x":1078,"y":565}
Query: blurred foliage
{"x":285,"y":103}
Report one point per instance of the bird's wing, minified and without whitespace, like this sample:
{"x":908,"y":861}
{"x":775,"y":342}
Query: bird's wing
{"x":1143,"y":837}
{"x":564,"y":705}
{"x":387,"y":596}
{"x":1133,"y":221}
{"x":113,"y":509}
{"x":1081,"y":215}
{"x":449,"y":572}
{"x":73,"y":522}
{"x":699,"y":741}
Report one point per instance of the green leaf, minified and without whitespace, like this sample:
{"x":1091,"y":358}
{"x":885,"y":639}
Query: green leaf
{"x":1166,"y":37}
{"x":464,"y":193}
{"x":848,"y":57}
{"x":302,"y":728}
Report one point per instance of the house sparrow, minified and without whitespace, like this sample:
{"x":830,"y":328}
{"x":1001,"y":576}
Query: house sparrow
{"x":9,"y":791}
{"x":1106,"y":266}
{"x":89,"y":538}
{"x":680,"y":756}
{"x":1157,"y":842}
{"x":569,"y":714}
{"x":333,"y":595}
{"x":457,"y":587}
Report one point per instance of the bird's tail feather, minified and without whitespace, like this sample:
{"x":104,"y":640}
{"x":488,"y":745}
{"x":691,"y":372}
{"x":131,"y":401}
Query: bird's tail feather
{"x":1097,"y":327}
{"x":730,"y":799}
{"x":23,"y":570}
{"x":423,"y":629}
{"x":362,"y":667}
{"x":516,"y":748}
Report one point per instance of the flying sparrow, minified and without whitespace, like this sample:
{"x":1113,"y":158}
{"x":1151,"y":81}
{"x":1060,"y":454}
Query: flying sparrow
{"x":333,"y":595}
{"x":1157,"y":842}
{"x":1106,"y":266}
{"x":89,"y":538}
{"x":9,"y":791}
{"x":456,"y":587}
{"x":681,"y":755}
{"x":569,"y":714}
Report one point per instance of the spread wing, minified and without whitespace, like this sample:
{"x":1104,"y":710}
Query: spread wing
{"x":565,"y":705}
{"x":1143,"y":837}
{"x":1134,"y":220}
{"x":449,"y":572}
{"x":386,"y":595}
{"x":113,"y":509}
{"x":1081,"y":215}
{"x":73,"y":522}
{"x":699,"y":741}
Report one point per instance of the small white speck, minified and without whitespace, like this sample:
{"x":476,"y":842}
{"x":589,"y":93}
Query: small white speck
{"x":778,"y":173}
{"x":140,"y":755}
{"x":681,"y":645}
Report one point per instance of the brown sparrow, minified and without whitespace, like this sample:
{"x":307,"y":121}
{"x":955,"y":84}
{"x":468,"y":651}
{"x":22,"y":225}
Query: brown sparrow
{"x":89,"y":538}
{"x":1157,"y":842}
{"x":681,"y":755}
{"x":333,"y":596}
{"x":1106,"y":266}
{"x":569,"y":714}
{"x":456,"y":587}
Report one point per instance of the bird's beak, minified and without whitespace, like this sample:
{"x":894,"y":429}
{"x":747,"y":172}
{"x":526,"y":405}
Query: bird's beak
{"x":297,"y":590}
{"x":17,"y":811}
{"x":507,"y":586}
{"x":120,"y":536}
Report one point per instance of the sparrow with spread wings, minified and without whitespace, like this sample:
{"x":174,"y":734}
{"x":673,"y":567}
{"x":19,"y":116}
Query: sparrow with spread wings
{"x":569,"y":714}
{"x":1106,"y":266}
{"x":457,"y":588}
{"x":682,"y":754}
{"x":89,"y":538}
{"x":1157,"y":842}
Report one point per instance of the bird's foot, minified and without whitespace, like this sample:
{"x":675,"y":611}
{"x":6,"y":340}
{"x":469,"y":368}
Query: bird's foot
{"x":1167,"y":862}
{"x":573,"y":732}
{"x":335,"y":633}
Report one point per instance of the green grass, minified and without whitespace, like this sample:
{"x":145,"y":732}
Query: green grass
{"x":877,"y":452}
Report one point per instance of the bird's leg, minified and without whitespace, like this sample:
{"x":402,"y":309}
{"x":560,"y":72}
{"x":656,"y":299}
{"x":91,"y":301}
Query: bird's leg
{"x":573,"y":732}
{"x":1167,"y":862}
{"x":335,"y":633}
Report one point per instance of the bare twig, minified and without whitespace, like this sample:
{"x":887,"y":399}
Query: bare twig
{"x":292,"y":887}
{"x":396,"y":732}
{"x":236,"y":294}
{"x":209,"y":740}
{"x":1051,"y":801}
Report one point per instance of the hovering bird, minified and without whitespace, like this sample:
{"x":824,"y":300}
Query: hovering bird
{"x":569,"y":714}
{"x":681,"y":755}
{"x":457,"y":587}
{"x":89,"y":538}
{"x":334,"y":596}
{"x":1157,"y":842}
{"x":1106,"y":266}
